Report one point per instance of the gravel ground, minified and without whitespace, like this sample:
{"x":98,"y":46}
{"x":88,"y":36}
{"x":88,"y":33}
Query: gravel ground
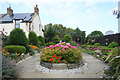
{"x":30,"y":68}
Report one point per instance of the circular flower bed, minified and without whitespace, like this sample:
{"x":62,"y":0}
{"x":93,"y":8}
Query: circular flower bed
{"x":61,"y":53}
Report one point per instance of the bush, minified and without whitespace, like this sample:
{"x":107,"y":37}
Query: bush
{"x":33,"y":39}
{"x":15,"y":48}
{"x":97,"y":44}
{"x":56,"y":39}
{"x":67,"y":38}
{"x":73,"y":43}
{"x":62,"y":51}
{"x":83,"y":46}
{"x":18,"y":37}
{"x":113,"y":44}
{"x":8,"y":69}
{"x":49,"y":43}
{"x":41,"y":39}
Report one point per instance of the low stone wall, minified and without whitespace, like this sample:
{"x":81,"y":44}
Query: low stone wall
{"x":69,"y":66}
{"x":45,"y":64}
{"x":72,"y":66}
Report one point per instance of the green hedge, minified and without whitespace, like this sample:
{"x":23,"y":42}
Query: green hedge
{"x":18,"y":37}
{"x":97,"y":44}
{"x":73,"y":43}
{"x":67,"y":38}
{"x":113,"y":44}
{"x":33,"y":39}
{"x":15,"y":48}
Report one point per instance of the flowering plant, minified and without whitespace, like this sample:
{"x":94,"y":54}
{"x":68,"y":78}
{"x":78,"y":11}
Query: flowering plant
{"x":55,"y":59}
{"x":59,"y":52}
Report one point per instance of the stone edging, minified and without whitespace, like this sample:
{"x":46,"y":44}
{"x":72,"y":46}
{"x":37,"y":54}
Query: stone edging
{"x":69,"y":66}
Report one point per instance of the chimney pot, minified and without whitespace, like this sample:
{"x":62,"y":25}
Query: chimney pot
{"x":9,"y":11}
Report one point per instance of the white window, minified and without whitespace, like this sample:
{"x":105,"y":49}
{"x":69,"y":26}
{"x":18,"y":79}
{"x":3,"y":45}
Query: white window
{"x":17,"y":24}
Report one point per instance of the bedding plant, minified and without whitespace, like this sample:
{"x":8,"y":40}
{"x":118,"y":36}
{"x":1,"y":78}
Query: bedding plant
{"x":61,"y":53}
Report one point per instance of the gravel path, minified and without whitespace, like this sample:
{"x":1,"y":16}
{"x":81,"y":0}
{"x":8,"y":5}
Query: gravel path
{"x":26,"y":69}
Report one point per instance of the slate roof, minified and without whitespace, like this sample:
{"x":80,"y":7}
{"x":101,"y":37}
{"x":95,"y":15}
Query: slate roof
{"x":25,"y":17}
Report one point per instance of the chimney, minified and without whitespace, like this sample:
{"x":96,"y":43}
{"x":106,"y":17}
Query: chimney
{"x":36,"y":10}
{"x":9,"y":11}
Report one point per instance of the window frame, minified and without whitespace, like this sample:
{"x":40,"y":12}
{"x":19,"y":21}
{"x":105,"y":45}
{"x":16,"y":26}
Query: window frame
{"x":17,"y":24}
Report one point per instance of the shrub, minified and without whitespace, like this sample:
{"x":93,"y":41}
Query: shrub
{"x":15,"y":48}
{"x":41,"y":39}
{"x":83,"y":46}
{"x":8,"y":69}
{"x":49,"y":43}
{"x":56,"y":39}
{"x":73,"y":43}
{"x":18,"y":37}
{"x":33,"y":39}
{"x":97,"y":44}
{"x":67,"y":38}
{"x":64,"y":51}
{"x":113,"y":44}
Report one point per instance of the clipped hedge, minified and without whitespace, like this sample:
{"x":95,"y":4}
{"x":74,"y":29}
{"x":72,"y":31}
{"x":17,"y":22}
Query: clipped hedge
{"x":15,"y":48}
{"x":67,"y":38}
{"x":113,"y":44}
{"x":33,"y":39}
{"x":97,"y":44}
{"x":18,"y":37}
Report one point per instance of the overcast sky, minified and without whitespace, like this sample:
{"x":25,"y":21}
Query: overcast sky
{"x":88,"y":15}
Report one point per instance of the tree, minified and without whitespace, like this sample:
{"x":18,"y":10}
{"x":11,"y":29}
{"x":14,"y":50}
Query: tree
{"x":18,"y":37}
{"x":56,"y":39}
{"x":95,"y":34}
{"x":49,"y":32}
{"x":41,"y":39}
{"x":67,"y":38}
{"x":33,"y":39}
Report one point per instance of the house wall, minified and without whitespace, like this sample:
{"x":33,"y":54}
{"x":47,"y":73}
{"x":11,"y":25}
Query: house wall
{"x":36,"y":24}
{"x":8,"y":27}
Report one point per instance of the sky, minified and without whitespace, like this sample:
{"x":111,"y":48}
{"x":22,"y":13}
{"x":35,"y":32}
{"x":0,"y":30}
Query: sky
{"x":88,"y":15}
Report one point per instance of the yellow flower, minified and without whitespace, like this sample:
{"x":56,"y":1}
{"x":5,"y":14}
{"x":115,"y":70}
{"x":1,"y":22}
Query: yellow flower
{"x":16,"y":53}
{"x":4,"y":54}
{"x":103,"y":57}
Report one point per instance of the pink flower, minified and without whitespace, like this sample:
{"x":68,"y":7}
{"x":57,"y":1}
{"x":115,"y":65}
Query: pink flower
{"x":73,"y":47}
{"x":63,"y":42}
{"x":57,"y":45}
{"x":58,"y":49}
{"x":68,"y":43}
{"x":47,"y":47}
{"x":63,"y":49}
{"x":77,"y":44}
{"x":51,"y":46}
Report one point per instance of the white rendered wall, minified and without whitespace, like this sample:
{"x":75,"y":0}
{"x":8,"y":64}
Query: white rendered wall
{"x":37,"y":26}
{"x":8,"y":27}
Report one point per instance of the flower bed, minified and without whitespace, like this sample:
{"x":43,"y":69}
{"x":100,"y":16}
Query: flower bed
{"x":61,"y":53}
{"x":100,"y":52}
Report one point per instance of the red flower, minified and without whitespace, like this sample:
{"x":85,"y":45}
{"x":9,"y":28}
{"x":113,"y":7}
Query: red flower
{"x":57,"y":57}
{"x":54,"y":56}
{"x":51,"y":59}
{"x":58,"y":61}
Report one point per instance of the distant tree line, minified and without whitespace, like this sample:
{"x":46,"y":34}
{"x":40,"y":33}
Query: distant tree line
{"x":50,"y":31}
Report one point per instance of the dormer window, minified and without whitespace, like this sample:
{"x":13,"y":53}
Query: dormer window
{"x":17,"y":23}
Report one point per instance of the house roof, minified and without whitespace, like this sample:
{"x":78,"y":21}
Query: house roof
{"x":25,"y":17}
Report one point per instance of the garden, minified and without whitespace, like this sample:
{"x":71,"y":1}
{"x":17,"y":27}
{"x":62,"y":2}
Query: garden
{"x":60,"y":45}
{"x":109,"y":54}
